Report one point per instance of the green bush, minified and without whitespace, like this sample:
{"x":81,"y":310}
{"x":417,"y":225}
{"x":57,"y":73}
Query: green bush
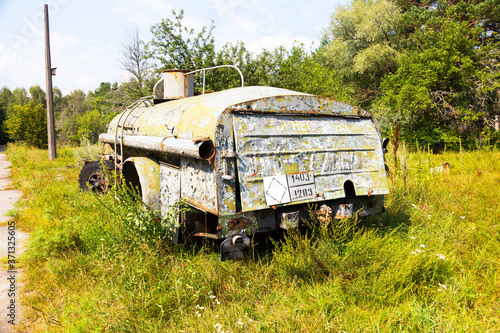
{"x":28,"y":123}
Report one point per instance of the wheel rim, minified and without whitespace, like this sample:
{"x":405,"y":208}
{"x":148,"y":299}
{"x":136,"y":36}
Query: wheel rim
{"x":96,"y":182}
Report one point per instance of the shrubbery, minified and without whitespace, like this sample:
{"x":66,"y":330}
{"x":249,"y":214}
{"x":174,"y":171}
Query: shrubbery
{"x":428,"y":263}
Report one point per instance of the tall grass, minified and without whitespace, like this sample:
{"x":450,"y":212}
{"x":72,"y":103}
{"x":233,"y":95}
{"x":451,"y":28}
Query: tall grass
{"x":429,"y":263}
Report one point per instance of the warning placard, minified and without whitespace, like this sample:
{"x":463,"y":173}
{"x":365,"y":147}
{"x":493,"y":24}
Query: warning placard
{"x":281,"y":189}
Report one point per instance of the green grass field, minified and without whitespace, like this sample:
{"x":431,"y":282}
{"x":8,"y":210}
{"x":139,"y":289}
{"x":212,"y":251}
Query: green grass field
{"x":430,"y":263}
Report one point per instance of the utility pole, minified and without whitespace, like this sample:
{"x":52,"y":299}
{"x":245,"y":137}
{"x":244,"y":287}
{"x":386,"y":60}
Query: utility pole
{"x":49,"y":71}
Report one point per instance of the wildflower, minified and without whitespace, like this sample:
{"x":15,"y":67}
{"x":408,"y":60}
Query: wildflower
{"x":442,"y":286}
{"x":239,"y":322}
{"x":422,"y":245}
{"x":412,"y":237}
{"x":462,"y":217}
{"x":413,"y":252}
{"x":473,"y":228}
{"x":218,"y":327}
{"x":440,"y":256}
{"x":418,"y":251}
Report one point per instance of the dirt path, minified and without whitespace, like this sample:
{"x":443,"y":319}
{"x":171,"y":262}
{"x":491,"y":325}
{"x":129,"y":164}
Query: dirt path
{"x":12,"y":242}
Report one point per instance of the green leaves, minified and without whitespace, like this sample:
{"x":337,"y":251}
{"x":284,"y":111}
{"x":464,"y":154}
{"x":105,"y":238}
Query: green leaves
{"x":364,"y":44}
{"x":177,"y":47}
{"x":441,"y":89}
{"x":28,"y":123}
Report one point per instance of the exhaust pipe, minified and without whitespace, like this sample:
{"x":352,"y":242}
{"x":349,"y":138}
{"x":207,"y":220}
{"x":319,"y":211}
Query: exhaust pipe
{"x":203,"y":150}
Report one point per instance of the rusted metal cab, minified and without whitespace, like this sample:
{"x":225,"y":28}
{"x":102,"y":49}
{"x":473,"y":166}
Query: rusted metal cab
{"x":250,"y":159}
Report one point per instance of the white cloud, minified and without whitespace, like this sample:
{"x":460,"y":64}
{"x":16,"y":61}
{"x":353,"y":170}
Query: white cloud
{"x":4,"y":57}
{"x":143,"y":13}
{"x":87,"y":53}
{"x":238,"y":28}
{"x":85,"y":81}
{"x":59,"y":42}
{"x":226,"y":9}
{"x":271,"y":42}
{"x":156,"y":4}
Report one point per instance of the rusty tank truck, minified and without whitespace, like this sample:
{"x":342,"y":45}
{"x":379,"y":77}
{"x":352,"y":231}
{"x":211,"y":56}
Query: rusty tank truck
{"x":246,"y":160}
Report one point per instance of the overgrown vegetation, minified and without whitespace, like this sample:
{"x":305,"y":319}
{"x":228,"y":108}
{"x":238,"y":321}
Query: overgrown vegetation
{"x":431,"y":66}
{"x":429,"y":263}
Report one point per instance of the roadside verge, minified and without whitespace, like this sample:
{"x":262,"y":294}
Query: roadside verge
{"x":12,"y":244}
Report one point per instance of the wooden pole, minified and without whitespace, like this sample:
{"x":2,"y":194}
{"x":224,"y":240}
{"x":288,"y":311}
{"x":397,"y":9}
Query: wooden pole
{"x":51,"y":132}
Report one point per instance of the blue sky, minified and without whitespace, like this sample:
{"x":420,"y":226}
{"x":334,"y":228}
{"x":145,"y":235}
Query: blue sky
{"x":86,"y":35}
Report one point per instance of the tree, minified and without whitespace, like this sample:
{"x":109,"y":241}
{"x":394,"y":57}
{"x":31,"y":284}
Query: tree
{"x":446,"y":86}
{"x":483,"y":14}
{"x":5,"y":99}
{"x":177,"y":47}
{"x":308,"y":72}
{"x":29,"y":123}
{"x":91,"y":124}
{"x":86,"y":116}
{"x":363,"y":43}
{"x":57,"y":99}
{"x":137,"y":65}
{"x":73,"y":106}
{"x":37,"y":95}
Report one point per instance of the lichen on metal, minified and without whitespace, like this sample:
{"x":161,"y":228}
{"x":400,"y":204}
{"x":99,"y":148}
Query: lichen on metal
{"x":268,"y":152}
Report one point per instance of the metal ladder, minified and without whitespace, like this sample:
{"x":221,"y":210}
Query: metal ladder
{"x":147,"y":101}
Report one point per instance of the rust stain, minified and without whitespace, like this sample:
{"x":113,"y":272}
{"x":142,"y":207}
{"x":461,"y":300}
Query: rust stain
{"x":237,"y":223}
{"x":274,"y":143}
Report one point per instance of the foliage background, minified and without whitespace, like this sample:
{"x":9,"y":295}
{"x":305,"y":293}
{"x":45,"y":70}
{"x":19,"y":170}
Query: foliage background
{"x":431,"y":66}
{"x":430,"y":263}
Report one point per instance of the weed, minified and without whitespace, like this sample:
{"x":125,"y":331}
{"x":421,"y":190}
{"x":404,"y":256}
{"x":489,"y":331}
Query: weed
{"x":102,"y":264}
{"x":88,"y":151}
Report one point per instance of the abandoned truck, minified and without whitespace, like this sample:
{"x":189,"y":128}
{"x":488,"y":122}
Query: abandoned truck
{"x":247,"y":159}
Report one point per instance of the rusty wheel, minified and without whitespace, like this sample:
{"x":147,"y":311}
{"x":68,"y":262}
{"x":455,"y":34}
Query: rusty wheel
{"x":93,"y":178}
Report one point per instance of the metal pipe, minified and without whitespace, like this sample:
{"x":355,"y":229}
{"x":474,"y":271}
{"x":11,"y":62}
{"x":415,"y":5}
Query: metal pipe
{"x":204,"y":150}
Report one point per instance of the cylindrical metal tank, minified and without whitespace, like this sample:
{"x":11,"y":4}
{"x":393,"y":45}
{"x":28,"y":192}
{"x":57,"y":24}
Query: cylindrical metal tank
{"x":252,"y":159}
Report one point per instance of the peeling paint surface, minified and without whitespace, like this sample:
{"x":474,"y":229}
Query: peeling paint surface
{"x":198,"y":184}
{"x":170,"y":192}
{"x":248,"y":222}
{"x":149,"y":176}
{"x":333,"y":149}
{"x":189,"y":117}
{"x":225,"y":166}
{"x":258,"y":133}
